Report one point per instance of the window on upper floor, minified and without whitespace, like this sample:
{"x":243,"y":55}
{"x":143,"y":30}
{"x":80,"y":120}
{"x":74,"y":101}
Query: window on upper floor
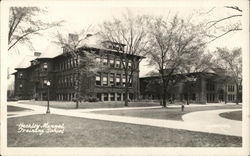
{"x":45,"y":66}
{"x":98,"y":60}
{"x":20,"y":75}
{"x":105,"y":61}
{"x":112,"y":63}
{"x":117,"y":63}
{"x":231,"y":88}
{"x":118,"y":80}
{"x":105,"y":80}
{"x":112,"y":79}
{"x":129,"y":64}
{"x":123,"y":80}
{"x":98,"y":80}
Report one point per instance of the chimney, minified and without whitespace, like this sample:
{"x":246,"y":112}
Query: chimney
{"x":72,"y":38}
{"x":37,"y":54}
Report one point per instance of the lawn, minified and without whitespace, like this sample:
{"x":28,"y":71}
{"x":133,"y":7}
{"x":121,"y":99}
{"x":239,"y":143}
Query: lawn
{"x":81,"y":132}
{"x":15,"y":109}
{"x":235,"y":115}
{"x":72,"y":105}
{"x":165,"y":113}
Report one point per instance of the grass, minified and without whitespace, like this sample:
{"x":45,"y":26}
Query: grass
{"x":235,"y":115}
{"x":81,"y":132}
{"x":165,"y":113}
{"x":72,"y":105}
{"x":15,"y":109}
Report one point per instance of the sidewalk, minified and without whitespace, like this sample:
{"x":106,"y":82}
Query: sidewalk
{"x":196,"y":121}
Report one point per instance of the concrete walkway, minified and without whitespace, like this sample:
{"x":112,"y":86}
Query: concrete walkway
{"x":204,"y":121}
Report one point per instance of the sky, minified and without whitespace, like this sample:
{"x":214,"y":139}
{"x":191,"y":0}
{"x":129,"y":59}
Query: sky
{"x":77,"y":17}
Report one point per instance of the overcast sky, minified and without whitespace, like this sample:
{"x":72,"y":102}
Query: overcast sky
{"x":77,"y":17}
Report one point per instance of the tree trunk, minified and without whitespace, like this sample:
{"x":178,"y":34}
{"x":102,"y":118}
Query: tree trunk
{"x":126,"y":95}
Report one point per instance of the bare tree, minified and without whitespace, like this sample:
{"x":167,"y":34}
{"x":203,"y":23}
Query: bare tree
{"x":231,"y":62}
{"x":23,"y":24}
{"x":130,"y":34}
{"x":87,"y":66}
{"x":224,"y":25}
{"x":173,"y":43}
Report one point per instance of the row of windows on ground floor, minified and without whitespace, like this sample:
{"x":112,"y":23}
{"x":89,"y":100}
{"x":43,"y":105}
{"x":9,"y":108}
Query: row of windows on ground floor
{"x":192,"y":96}
{"x":99,"y":96}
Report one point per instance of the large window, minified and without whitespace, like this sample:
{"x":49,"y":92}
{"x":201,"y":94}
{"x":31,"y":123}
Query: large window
{"x":118,"y":79}
{"x":105,"y":80}
{"x":111,"y":79}
{"x":210,"y":86}
{"x":231,"y":88}
{"x":231,"y":97}
{"x":98,"y":80}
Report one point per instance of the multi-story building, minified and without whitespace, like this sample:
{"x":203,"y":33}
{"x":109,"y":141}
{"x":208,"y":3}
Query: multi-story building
{"x":199,"y":87}
{"x":62,"y":70}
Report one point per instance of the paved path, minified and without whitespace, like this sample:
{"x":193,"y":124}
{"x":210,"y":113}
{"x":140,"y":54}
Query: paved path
{"x":205,"y":121}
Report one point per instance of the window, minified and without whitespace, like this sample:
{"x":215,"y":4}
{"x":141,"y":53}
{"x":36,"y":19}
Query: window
{"x":20,"y":75}
{"x":99,"y":96}
{"x":105,"y":80}
{"x":123,"y":80}
{"x":98,"y":80}
{"x":210,"y":86}
{"x":68,"y":62}
{"x":45,"y":66}
{"x":131,"y":96}
{"x":111,"y":79}
{"x":129,"y":64}
{"x":112,"y":96}
{"x":118,"y":98}
{"x":231,"y":97}
{"x":118,"y":79}
{"x":105,"y":61}
{"x":231,"y":88}
{"x":117,"y":63}
{"x":98,"y":60}
{"x":105,"y":97}
{"x":112,"y":63}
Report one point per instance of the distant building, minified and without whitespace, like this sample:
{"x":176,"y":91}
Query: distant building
{"x":61,"y":69}
{"x":200,"y":87}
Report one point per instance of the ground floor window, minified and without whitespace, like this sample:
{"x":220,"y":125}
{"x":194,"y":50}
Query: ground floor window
{"x":99,"y":96}
{"x":105,"y":97}
{"x":118,"y":98}
{"x":231,"y":97}
{"x":112,"y":96}
{"x":210,"y":97}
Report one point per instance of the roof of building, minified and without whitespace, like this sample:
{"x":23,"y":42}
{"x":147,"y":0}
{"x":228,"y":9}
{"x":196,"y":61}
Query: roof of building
{"x":26,"y":61}
{"x":51,"y":51}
